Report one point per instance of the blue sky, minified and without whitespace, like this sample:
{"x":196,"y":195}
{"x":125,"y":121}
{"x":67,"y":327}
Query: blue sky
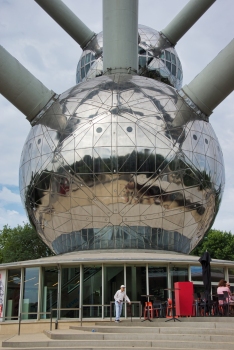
{"x":31,"y":36}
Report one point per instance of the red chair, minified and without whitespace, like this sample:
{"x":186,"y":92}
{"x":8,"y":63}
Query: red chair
{"x":148,"y":307}
{"x":169,"y":308}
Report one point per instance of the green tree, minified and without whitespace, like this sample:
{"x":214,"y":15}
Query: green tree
{"x":21,"y":243}
{"x":219,"y":244}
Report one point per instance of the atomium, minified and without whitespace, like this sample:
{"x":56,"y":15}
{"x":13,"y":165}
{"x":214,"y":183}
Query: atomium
{"x":165,"y":66}
{"x":121,"y":161}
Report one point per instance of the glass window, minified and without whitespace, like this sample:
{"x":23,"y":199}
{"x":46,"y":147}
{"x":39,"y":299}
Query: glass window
{"x":196,"y":273}
{"x":158,"y":282}
{"x":82,"y":73}
{"x":168,"y":64}
{"x":87,"y":68}
{"x":30,"y":292}
{"x":87,"y":58}
{"x":179,"y":74}
{"x":92,"y":291}
{"x":13,"y":294}
{"x":78,"y":77}
{"x":142,"y":61}
{"x":49,"y":290}
{"x":231,"y":275}
{"x":217,"y":273}
{"x":162,"y":54}
{"x":141,"y":51}
{"x":173,"y":59}
{"x":178,"y":274}
{"x":136,"y":286}
{"x":168,"y":55}
{"x":70,"y":291}
{"x":173,"y":70}
{"x":83,"y":61}
{"x":114,"y":277}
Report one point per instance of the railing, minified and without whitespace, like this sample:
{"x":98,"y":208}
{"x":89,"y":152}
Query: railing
{"x":91,"y":305}
{"x":73,"y":309}
{"x":61,"y":309}
{"x":30,"y":313}
{"x":132,"y":302}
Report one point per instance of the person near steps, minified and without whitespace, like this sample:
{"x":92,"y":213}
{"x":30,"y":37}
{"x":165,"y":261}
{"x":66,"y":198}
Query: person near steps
{"x":119,"y":297}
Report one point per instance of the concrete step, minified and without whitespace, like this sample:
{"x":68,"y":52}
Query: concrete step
{"x":128,"y":345}
{"x":107,"y":348}
{"x":140,"y":336}
{"x":157,"y":330}
{"x":120,"y":344}
{"x":190,"y":321}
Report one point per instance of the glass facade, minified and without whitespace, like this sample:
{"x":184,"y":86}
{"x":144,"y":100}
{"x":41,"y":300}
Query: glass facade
{"x":158,"y":282}
{"x":196,"y":273}
{"x":178,"y":274}
{"x":93,"y":287}
{"x":13,"y":294}
{"x":30,"y":293}
{"x":217,"y":273}
{"x":49,"y":290}
{"x":70,"y":291}
{"x":92,"y":291}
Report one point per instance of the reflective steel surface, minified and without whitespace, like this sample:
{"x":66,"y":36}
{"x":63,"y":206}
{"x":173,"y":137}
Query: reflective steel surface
{"x":166,"y":67}
{"x":121,"y":161}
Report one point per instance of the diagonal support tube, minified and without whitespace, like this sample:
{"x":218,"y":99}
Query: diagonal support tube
{"x":215,"y":82}
{"x":21,"y":88}
{"x":67,"y":20}
{"x":120,"y":36}
{"x":185,"y":19}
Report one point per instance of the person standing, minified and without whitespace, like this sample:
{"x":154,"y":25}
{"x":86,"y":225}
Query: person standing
{"x":119,"y":297}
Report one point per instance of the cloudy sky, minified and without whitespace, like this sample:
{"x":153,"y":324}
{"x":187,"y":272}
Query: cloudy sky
{"x":31,"y":36}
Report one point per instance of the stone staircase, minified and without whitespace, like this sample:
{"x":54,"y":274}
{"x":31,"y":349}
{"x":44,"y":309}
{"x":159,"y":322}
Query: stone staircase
{"x":191,"y":333}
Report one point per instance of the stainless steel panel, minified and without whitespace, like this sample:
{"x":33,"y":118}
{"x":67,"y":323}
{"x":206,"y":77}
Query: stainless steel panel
{"x":128,"y":162}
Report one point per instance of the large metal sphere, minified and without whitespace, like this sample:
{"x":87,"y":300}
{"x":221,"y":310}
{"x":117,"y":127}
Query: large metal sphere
{"x":165,"y":67}
{"x":121,"y":161}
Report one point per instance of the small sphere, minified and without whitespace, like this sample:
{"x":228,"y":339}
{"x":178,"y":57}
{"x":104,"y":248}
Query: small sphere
{"x":166,"y":67}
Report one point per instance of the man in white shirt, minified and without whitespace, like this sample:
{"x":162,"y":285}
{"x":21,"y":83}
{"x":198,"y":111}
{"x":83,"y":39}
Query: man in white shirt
{"x":119,"y":297}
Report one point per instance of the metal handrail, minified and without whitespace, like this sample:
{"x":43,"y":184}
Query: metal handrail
{"x":59,"y":309}
{"x":90,"y":305}
{"x":132,"y":302}
{"x":30,"y":313}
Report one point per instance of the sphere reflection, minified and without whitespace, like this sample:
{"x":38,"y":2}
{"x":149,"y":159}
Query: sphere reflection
{"x":121,"y":162}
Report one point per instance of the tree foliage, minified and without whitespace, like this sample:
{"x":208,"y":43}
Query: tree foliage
{"x":21,"y":243}
{"x":219,"y":244}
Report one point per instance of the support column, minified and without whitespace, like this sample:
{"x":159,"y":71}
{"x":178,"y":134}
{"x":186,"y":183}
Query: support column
{"x":67,"y":20}
{"x":215,"y":82}
{"x":120,"y":36}
{"x":185,"y":19}
{"x":21,"y":88}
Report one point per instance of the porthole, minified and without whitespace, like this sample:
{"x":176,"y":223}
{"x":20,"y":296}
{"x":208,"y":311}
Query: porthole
{"x":129,"y":129}
{"x":39,"y":141}
{"x":99,"y":130}
{"x":206,"y":141}
{"x":195,"y":137}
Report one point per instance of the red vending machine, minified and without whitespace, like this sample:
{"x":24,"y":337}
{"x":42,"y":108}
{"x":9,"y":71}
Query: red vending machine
{"x":184,"y":298}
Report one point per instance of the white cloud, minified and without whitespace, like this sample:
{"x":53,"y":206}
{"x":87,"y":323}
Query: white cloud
{"x":7,"y":196}
{"x":11,"y":218}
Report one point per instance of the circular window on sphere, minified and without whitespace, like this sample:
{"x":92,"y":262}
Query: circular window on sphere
{"x":195,"y":137}
{"x":129,"y":129}
{"x":99,"y":130}
{"x":39,"y":141}
{"x":206,"y":141}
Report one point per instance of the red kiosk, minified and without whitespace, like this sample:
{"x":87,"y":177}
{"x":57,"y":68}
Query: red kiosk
{"x":183,"y":298}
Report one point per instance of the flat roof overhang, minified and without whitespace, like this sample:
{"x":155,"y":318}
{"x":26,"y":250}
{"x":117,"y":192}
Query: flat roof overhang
{"x":115,"y":257}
